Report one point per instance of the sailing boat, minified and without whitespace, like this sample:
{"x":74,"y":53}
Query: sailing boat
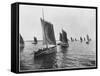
{"x":49,"y":40}
{"x":75,"y":39}
{"x":81,"y":39}
{"x":35,"y":40}
{"x":72,"y":39}
{"x":88,"y":39}
{"x":84,"y":39}
{"x":63,"y":38}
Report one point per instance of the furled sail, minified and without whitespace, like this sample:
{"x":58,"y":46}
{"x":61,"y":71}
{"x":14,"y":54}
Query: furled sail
{"x":48,"y":32}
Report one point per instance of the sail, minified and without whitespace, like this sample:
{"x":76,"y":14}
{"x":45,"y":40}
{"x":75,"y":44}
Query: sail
{"x":71,"y":39}
{"x":88,"y":37}
{"x":21,"y":40}
{"x":48,"y":33}
{"x":35,"y":39}
{"x":64,"y":37}
{"x":81,"y":39}
{"x":60,"y":38}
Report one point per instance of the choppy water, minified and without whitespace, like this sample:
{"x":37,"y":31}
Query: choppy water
{"x":77,"y":55}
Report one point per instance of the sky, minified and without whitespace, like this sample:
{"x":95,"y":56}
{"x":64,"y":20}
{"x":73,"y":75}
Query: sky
{"x":75,"y":21}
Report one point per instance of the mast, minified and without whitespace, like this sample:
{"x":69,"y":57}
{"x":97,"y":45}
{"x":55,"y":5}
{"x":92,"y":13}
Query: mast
{"x":42,"y":13}
{"x":44,"y":29}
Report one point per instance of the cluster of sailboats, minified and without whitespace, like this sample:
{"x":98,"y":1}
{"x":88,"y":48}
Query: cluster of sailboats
{"x":49,"y":40}
{"x":87,"y":39}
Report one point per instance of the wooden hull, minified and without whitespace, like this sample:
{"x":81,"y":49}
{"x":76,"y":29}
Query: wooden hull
{"x":63,"y":45}
{"x":44,"y":51}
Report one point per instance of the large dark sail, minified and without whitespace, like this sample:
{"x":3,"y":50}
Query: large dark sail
{"x":48,"y":33}
{"x":64,"y":37}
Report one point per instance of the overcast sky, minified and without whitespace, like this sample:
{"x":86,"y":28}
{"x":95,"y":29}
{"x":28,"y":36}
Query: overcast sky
{"x":75,"y":21}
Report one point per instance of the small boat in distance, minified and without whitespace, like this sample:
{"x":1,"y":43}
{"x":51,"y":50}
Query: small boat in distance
{"x":49,"y":40}
{"x":81,"y":39}
{"x":75,"y":39}
{"x":63,"y":39}
{"x":35,"y":40}
{"x":71,"y":39}
{"x":88,"y":39}
{"x":84,"y":39}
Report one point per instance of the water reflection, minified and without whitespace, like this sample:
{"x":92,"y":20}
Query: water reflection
{"x":61,"y":55}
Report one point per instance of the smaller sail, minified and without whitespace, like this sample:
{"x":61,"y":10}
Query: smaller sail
{"x":81,"y":39}
{"x":21,"y":40}
{"x":60,"y":37}
{"x":88,"y":39}
{"x":64,"y":36}
{"x":71,"y":39}
{"x":35,"y":40}
{"x":84,"y":39}
{"x":75,"y":39}
{"x":21,"y":43}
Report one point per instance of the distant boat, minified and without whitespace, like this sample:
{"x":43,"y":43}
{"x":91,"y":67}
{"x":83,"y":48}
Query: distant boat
{"x":49,"y":40}
{"x":72,"y":39}
{"x":84,"y":39}
{"x":81,"y":39}
{"x":75,"y":39}
{"x":35,"y":40}
{"x":88,"y":39}
{"x":63,"y":39}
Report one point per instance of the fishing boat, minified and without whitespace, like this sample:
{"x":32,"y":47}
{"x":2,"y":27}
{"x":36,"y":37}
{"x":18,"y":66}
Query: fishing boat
{"x":75,"y":39}
{"x":35,"y":40}
{"x":84,"y":39}
{"x":63,"y":39}
{"x":81,"y":39}
{"x":88,"y":39}
{"x":49,"y":41}
{"x":72,"y":39}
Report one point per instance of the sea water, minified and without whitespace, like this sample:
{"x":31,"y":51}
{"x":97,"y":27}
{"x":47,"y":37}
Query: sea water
{"x":77,"y":55}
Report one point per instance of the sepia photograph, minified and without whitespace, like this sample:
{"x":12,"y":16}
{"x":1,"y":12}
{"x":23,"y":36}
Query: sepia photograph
{"x":54,"y":38}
